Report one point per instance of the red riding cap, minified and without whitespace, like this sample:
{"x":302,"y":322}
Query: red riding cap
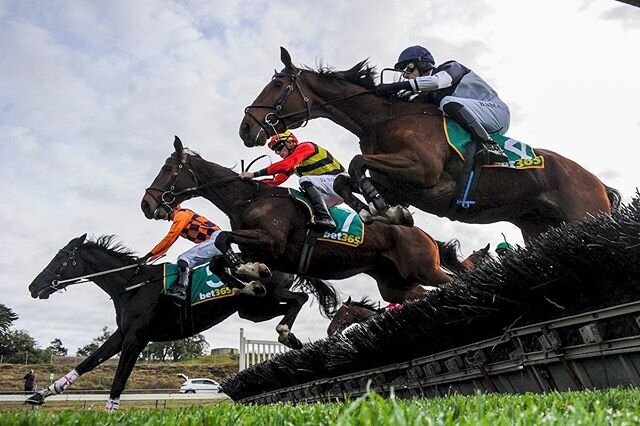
{"x":285,"y":136}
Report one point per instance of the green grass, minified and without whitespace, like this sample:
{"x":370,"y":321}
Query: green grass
{"x":615,"y":406}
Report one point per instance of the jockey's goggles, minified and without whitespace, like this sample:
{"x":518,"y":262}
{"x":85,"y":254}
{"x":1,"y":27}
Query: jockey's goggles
{"x":408,"y":68}
{"x":277,"y":147}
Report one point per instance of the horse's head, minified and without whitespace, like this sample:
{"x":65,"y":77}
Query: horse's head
{"x":171,"y":185}
{"x":295,"y":96}
{"x":351,"y":313}
{"x":477,"y":257}
{"x":64,"y":265}
{"x":281,"y":105}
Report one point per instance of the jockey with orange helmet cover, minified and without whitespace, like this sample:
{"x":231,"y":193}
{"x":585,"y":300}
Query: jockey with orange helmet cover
{"x":459,"y":92}
{"x":194,"y":227}
{"x":317,"y":170}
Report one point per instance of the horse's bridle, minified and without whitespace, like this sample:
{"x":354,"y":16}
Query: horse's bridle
{"x":55,"y":282}
{"x":273,"y":118}
{"x":168,"y":196}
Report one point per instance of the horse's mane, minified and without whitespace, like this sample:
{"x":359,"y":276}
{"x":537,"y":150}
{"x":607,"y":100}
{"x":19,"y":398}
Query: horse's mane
{"x":109,"y":244}
{"x":361,"y":74}
{"x":366,"y":303}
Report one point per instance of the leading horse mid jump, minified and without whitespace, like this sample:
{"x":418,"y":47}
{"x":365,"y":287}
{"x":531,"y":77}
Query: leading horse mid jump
{"x":405,"y":150}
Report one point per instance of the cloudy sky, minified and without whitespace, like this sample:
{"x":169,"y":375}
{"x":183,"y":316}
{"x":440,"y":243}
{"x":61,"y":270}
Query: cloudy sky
{"x":91,"y":94}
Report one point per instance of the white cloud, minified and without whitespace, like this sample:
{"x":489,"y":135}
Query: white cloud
{"x":91,"y":95}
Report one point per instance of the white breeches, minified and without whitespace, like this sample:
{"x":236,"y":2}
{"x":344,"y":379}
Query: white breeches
{"x":325,"y":184}
{"x":201,"y":253}
{"x":495,"y":117}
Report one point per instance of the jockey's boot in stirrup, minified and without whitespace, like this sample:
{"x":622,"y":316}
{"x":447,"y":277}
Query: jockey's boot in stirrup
{"x":489,"y":152}
{"x":322,"y":220}
{"x":179,"y":291}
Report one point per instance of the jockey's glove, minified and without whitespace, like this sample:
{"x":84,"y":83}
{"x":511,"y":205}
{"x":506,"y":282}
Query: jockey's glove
{"x":392,"y":88}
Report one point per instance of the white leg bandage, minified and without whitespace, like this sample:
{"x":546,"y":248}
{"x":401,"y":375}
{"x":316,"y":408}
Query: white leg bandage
{"x":112,"y":404}
{"x":64,"y":382}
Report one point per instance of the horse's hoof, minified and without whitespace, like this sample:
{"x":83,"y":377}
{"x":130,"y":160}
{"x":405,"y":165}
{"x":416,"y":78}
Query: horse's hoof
{"x":254,"y":270}
{"x":293,"y":342}
{"x":35,"y":399}
{"x":399,"y":215}
{"x":258,"y":289}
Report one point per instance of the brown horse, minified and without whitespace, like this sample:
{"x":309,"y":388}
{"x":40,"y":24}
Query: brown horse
{"x":269,"y":226}
{"x":351,"y":312}
{"x":404,"y":148}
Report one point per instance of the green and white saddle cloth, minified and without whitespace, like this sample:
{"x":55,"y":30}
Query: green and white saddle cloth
{"x":205,"y":285}
{"x":349,"y":227}
{"x":521,"y":155}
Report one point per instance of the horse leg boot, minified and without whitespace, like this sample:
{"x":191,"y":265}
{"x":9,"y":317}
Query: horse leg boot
{"x":238,"y":266}
{"x":179,"y":291}
{"x":322,"y":220}
{"x":490,"y":152}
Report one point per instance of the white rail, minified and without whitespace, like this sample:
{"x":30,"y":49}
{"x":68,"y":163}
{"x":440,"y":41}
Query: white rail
{"x":256,"y":351}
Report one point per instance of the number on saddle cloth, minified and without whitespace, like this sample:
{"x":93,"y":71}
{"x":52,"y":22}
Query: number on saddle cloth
{"x":205,"y":285}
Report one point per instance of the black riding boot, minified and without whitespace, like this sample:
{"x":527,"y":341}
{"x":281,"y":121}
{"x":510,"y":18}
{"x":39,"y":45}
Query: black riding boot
{"x":179,"y":291}
{"x":490,"y":152}
{"x":372,"y":196}
{"x":322,"y":220}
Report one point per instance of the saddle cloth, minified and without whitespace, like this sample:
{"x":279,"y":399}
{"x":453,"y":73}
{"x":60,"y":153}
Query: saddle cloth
{"x":521,"y":156}
{"x":349,"y":227}
{"x":205,"y":285}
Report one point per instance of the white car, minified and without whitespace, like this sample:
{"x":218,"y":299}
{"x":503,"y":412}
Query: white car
{"x":200,"y":386}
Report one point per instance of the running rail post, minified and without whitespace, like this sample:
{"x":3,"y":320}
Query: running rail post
{"x":243,"y":363}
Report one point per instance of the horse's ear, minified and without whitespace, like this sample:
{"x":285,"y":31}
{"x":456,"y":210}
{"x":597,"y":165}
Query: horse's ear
{"x":488,"y":246}
{"x":285,"y":57}
{"x":177,"y":144}
{"x":81,"y":238}
{"x":348,"y":302}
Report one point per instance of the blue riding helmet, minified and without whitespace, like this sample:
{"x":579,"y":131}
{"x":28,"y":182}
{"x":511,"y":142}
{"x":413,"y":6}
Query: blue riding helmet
{"x":414,"y":54}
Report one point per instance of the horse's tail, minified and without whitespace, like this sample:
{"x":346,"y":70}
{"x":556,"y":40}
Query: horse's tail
{"x":325,"y":293}
{"x":615,"y":199}
{"x":449,"y":255}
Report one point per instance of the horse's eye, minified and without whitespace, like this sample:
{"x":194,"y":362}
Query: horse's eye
{"x":167,"y":169}
{"x":277,"y":84}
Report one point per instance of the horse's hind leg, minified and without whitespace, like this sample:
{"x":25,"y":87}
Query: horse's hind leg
{"x":131,"y":348}
{"x":108,"y":349}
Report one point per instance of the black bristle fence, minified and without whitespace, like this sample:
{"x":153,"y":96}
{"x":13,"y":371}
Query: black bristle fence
{"x":580,"y":266}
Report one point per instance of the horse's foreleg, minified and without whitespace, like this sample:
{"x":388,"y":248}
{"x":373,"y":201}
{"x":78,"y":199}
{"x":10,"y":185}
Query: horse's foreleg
{"x":108,"y":349}
{"x":294,"y":302}
{"x":131,"y":348}
{"x":378,"y":208}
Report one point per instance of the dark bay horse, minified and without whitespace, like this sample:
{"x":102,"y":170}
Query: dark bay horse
{"x":352,"y":312}
{"x":142,"y":314}
{"x":404,"y":148}
{"x":270,"y":227}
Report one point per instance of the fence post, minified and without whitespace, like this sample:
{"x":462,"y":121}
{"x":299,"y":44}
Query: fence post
{"x":242,"y":364}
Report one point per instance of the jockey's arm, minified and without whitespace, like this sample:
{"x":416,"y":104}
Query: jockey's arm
{"x":277,"y":180}
{"x":285,"y":166}
{"x":180,"y":220}
{"x":450,"y":72}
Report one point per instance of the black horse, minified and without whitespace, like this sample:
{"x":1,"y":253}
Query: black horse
{"x":143,"y":314}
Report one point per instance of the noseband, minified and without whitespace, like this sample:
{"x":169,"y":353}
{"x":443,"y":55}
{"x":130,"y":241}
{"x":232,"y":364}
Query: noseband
{"x":272,"y":119}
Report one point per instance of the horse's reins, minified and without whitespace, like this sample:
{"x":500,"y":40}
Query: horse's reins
{"x":57,"y":282}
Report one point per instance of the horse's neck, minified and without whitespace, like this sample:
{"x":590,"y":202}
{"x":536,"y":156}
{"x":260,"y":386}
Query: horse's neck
{"x":346,"y":113}
{"x":230,"y":193}
{"x":361,"y":113}
{"x":95,"y":260}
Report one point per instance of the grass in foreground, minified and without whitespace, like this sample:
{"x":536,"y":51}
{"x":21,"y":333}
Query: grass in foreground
{"x":610,"y":407}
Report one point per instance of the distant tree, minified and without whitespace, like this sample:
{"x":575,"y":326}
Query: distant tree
{"x":56,"y":348}
{"x":16,"y":346}
{"x":176,"y":350}
{"x":7,"y":317}
{"x":96,"y":343}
